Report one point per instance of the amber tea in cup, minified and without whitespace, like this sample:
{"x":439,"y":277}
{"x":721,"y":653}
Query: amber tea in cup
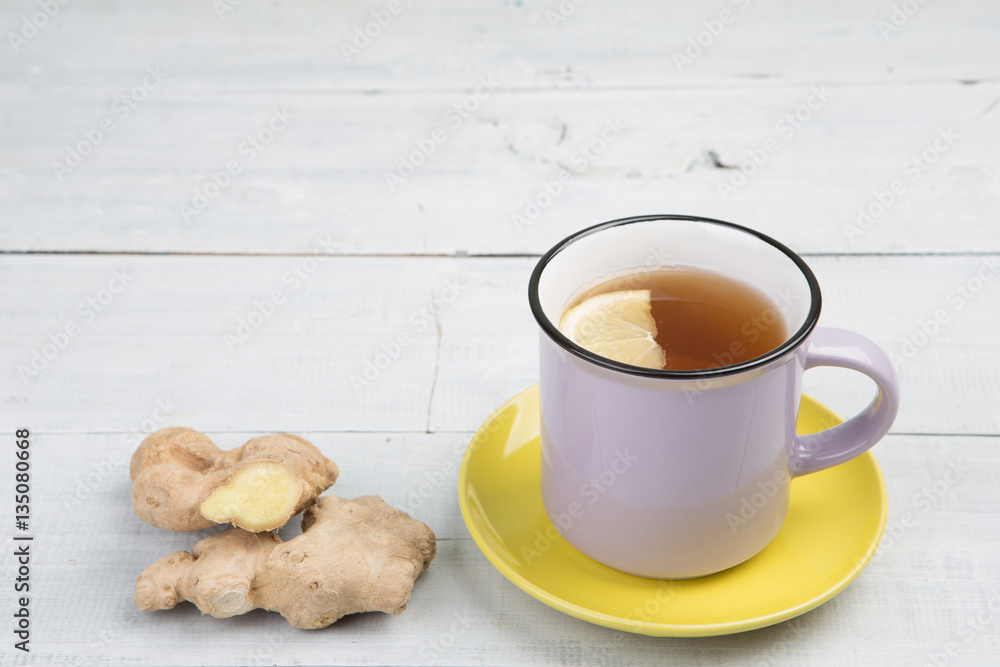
{"x":703,"y":319}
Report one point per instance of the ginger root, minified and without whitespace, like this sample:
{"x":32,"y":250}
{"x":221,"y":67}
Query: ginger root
{"x":353,"y":556}
{"x":182,"y":481}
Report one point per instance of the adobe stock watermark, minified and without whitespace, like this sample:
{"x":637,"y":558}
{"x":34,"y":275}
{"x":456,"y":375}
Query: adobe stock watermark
{"x":652,"y":606}
{"x":122,"y":107}
{"x":263,"y":654}
{"x":364,"y":34}
{"x":248,"y":151}
{"x":698,"y":43}
{"x":792,"y":632}
{"x":766,"y":490}
{"x":657,"y":258}
{"x":913,"y":169}
{"x":100,"y":471}
{"x":88,"y":310}
{"x":420,"y":320}
{"x":32,"y":24}
{"x":777,"y":484}
{"x":442,"y":477}
{"x":293,"y":278}
{"x":750,"y":332}
{"x":982,"y":621}
{"x":589,"y":493}
{"x":407,"y":164}
{"x":957,"y":298}
{"x":580,"y":160}
{"x":446,"y":640}
{"x":901,"y":14}
{"x":431,"y":482}
{"x":921,"y":503}
{"x":103,"y":637}
{"x":224,"y":7}
{"x":786,"y":127}
{"x":563,"y":11}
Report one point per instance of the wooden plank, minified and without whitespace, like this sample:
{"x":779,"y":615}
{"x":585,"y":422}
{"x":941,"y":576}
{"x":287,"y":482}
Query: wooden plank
{"x":355,"y":346}
{"x":486,"y":186}
{"x":448,"y":44}
{"x":936,"y":570}
{"x":338,"y":292}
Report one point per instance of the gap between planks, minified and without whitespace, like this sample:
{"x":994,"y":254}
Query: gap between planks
{"x":469,"y":434}
{"x":739,"y":82}
{"x":445,"y":255}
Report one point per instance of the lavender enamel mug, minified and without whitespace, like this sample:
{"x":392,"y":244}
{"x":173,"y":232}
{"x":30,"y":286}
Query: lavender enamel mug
{"x":646,"y":470}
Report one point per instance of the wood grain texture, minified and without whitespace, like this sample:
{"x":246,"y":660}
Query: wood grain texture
{"x":386,"y":323}
{"x":485,"y":184}
{"x":445,"y":44}
{"x":329,"y":356}
{"x":916,"y":597}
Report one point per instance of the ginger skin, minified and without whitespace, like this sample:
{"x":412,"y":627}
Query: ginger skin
{"x":353,"y":556}
{"x":182,"y":481}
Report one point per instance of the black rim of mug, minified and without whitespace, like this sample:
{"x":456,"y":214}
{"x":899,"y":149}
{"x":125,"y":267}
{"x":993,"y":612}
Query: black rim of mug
{"x":790,"y":344}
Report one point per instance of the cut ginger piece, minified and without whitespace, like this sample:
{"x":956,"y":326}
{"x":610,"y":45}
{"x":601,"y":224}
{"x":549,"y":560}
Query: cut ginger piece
{"x":178,"y":472}
{"x":257,"y":497}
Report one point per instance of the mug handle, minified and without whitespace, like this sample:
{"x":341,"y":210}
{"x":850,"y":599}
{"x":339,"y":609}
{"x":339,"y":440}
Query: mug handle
{"x":829,"y":447}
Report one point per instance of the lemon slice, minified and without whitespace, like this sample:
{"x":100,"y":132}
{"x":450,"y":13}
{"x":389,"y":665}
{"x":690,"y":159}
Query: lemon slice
{"x":616,"y":325}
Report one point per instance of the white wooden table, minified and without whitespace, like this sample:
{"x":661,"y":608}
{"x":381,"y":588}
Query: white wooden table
{"x":232,"y":233}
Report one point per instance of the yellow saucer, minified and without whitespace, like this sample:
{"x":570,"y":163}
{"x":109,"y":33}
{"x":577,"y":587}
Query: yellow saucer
{"x":835,"y":520}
